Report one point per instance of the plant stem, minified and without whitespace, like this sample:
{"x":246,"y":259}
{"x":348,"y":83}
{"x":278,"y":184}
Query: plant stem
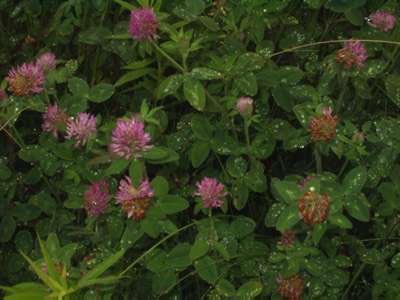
{"x":353,"y":280}
{"x":332,"y":42}
{"x":246,"y":133}
{"x":344,"y":80}
{"x":173,"y":61}
{"x":343,"y":168}
{"x":318,"y":159}
{"x":362,"y":266}
{"x":155,"y":246}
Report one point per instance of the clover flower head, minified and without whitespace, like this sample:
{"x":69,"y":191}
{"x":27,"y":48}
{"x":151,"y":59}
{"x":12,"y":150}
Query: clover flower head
{"x":143,"y":24}
{"x":134,"y":200}
{"x":26,"y":80}
{"x":211,"y":192}
{"x":96,"y":198}
{"x":81,"y":128}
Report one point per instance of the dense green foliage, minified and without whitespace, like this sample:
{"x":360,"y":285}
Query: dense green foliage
{"x":184,"y":86}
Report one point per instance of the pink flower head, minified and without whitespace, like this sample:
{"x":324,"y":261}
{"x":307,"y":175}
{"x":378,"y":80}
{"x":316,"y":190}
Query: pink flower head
{"x":353,"y":53}
{"x":134,"y":200}
{"x":54,"y":119}
{"x":244,"y":105}
{"x":81,"y":128}
{"x":26,"y":80}
{"x":143,"y":24}
{"x":47,"y":62}
{"x":129,"y":139}
{"x":211,"y":192}
{"x":96,"y":198}
{"x":382,"y":20}
{"x":3,"y":95}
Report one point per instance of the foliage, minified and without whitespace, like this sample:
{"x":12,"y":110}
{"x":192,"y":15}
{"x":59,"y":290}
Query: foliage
{"x":303,"y":175}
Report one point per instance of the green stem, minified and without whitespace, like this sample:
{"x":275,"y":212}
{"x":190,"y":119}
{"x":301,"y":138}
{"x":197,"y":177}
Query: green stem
{"x":318,"y":159}
{"x":344,"y":80}
{"x":346,"y":162}
{"x":246,"y":133}
{"x":213,"y":233}
{"x":362,"y":266}
{"x":353,"y":280}
{"x":332,"y":42}
{"x":155,"y":246}
{"x":173,"y":61}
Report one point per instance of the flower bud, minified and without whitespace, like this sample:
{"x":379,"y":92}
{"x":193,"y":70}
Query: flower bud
{"x":244,"y":106}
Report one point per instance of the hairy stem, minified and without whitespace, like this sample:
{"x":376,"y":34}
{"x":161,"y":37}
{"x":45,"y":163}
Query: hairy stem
{"x":154,"y":247}
{"x":173,"y":61}
{"x":333,"y":42}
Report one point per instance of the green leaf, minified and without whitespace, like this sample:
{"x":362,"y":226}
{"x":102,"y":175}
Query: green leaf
{"x":343,"y":5}
{"x":7,"y":228}
{"x":195,"y":93}
{"x":94,"y":35}
{"x":273,"y":6}
{"x":156,"y":153}
{"x":133,"y":75}
{"x":171,"y":204}
{"x":5,"y":172}
{"x":355,"y":16}
{"x":392,"y":84}
{"x":31,"y":295}
{"x":160,"y":155}
{"x":207,"y":269}
{"x":131,"y":234}
{"x":32,"y":153}
{"x":240,"y":194}
{"x":50,"y":282}
{"x":201,"y":127}
{"x":288,"y":191}
{"x":271,"y":218}
{"x":79,"y":87}
{"x":199,"y":152}
{"x":162,"y":282}
{"x":136,"y":171}
{"x":99,"y":269}
{"x":250,"y":290}
{"x":236,"y":166}
{"x":23,"y":241}
{"x":209,"y":23}
{"x":125,"y":4}
{"x":138,"y":64}
{"x":288,"y":218}
{"x":318,"y":232}
{"x":355,"y":180}
{"x":341,"y":221}
{"x":195,"y":7}
{"x":255,"y":179}
{"x":395,"y":262}
{"x":199,"y":249}
{"x":160,"y":186}
{"x":247,"y":84}
{"x":49,"y":261}
{"x":283,"y":98}
{"x":107,"y":280}
{"x":101,"y":92}
{"x":169,"y":86}
{"x":225,"y":288}
{"x":358,"y":207}
{"x":117,"y":167}
{"x":389,"y":194}
{"x":178,"y":257}
{"x":205,"y":74}
{"x":151,"y":227}
{"x":242,"y":226}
